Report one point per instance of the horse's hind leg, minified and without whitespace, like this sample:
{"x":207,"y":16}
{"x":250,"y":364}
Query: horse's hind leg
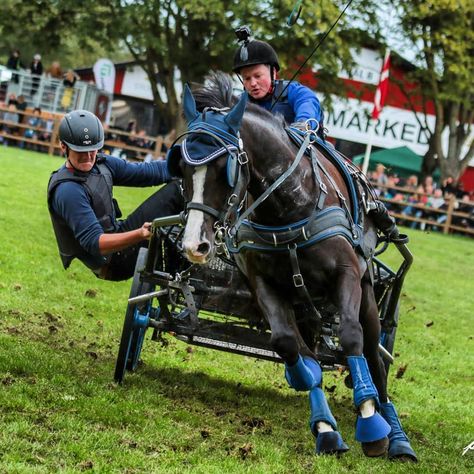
{"x":371,"y":428}
{"x":302,"y":371}
{"x":399,"y":444}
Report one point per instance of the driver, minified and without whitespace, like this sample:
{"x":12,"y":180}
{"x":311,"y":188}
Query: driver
{"x":84,"y":214}
{"x":256,"y":62}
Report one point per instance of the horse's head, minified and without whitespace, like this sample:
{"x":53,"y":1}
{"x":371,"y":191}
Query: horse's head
{"x":210,"y":161}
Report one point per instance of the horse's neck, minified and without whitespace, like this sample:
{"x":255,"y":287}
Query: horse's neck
{"x":294,"y":198}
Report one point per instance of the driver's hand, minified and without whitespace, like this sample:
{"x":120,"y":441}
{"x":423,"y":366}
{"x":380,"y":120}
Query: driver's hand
{"x":146,"y":230}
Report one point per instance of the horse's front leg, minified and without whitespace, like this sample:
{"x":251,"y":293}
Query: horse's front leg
{"x":399,"y":444}
{"x":302,"y":371}
{"x":371,"y":427}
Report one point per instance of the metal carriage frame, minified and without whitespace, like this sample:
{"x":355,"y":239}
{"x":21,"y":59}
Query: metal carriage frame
{"x":211,"y":306}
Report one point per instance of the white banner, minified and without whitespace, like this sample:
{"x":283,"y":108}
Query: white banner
{"x":350,"y":120}
{"x":104,"y":74}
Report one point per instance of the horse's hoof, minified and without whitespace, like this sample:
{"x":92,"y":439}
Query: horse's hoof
{"x":375,"y":449}
{"x":348,"y":381}
{"x":401,"y":451}
{"x":330,"y":442}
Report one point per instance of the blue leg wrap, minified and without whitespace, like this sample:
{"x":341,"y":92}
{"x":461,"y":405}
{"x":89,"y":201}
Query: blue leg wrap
{"x":330,"y":442}
{"x":374,"y":427}
{"x":319,"y":410}
{"x":304,"y":375}
{"x":399,"y":442}
{"x":364,"y":388}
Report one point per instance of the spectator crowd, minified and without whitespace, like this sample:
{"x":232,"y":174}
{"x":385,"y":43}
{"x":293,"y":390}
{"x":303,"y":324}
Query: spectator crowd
{"x":424,"y":204}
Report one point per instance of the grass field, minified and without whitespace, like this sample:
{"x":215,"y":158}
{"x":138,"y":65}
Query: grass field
{"x":197,"y":410}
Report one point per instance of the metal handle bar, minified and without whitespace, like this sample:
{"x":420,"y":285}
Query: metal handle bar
{"x":166,"y":221}
{"x":147,"y":296}
{"x":385,"y":354}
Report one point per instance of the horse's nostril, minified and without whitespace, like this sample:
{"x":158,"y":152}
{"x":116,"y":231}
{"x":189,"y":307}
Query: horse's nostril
{"x":203,"y":248}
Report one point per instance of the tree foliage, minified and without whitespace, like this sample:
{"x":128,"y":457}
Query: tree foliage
{"x":441,"y":33}
{"x":184,"y":39}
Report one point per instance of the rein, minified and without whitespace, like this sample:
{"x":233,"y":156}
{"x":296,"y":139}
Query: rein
{"x":309,"y":138}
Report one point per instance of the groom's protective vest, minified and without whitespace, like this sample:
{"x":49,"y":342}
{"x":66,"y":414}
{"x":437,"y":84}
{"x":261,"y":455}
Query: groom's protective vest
{"x":99,"y":189}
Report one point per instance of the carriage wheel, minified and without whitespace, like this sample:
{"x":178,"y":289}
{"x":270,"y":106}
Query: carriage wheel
{"x":133,"y":331}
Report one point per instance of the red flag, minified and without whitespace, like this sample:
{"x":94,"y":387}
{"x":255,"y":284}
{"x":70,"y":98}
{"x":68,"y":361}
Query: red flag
{"x":382,"y":88}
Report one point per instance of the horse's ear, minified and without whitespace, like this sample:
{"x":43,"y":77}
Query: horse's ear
{"x":234,"y":118}
{"x":189,"y":105}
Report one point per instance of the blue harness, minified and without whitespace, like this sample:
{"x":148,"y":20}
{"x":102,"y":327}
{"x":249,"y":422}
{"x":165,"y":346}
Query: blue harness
{"x":323,"y":222}
{"x":207,"y":141}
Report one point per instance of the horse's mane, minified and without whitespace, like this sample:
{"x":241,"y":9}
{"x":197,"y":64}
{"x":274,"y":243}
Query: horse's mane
{"x":218,"y":91}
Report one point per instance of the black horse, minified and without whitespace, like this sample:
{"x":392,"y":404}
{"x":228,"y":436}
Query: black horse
{"x":305,"y":238}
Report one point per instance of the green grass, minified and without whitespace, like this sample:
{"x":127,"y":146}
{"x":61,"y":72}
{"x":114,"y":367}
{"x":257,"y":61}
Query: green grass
{"x":200,"y":410}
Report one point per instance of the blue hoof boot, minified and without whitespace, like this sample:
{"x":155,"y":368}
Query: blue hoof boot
{"x":304,"y":375}
{"x":401,"y":450}
{"x":372,"y":428}
{"x":330,"y":442}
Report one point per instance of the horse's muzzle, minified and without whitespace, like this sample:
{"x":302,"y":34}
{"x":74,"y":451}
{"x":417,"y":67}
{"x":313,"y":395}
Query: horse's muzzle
{"x":199,"y":253}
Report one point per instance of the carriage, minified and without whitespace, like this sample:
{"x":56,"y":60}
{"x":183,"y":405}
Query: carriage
{"x":212,"y":307}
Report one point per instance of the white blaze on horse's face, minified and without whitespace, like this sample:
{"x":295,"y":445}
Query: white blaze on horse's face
{"x":195,"y":245}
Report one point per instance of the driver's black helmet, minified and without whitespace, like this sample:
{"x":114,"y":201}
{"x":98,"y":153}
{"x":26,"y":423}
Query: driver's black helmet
{"x":81,"y":131}
{"x":253,"y":52}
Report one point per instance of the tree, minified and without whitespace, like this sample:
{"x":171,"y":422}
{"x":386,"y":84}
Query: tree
{"x":53,"y":28}
{"x":441,"y":33}
{"x":185,"y":39}
{"x":195,"y":36}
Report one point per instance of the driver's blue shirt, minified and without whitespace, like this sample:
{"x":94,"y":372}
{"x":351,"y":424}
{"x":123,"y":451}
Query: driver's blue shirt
{"x":298,"y":104}
{"x":72,"y":202}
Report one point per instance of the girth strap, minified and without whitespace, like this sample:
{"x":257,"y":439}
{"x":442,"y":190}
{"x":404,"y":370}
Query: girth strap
{"x":301,"y":289}
{"x":327,"y":223}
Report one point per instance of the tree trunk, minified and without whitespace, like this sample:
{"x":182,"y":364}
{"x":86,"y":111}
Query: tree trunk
{"x":430,"y":161}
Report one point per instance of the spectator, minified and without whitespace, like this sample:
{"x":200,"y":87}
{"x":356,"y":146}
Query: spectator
{"x":14,"y":63}
{"x":428,"y":183}
{"x":12,"y":118}
{"x":36,"y":69}
{"x":391,"y":192}
{"x":12,"y":100}
{"x":449,"y":186}
{"x":44,"y":135}
{"x":21,"y":106}
{"x":32,"y":133}
{"x":466,"y":207}
{"x":54,"y":71}
{"x":69,"y":80}
{"x":379,"y":179}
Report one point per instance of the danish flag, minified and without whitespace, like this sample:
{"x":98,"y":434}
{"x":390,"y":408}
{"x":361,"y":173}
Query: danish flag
{"x":382,"y":88}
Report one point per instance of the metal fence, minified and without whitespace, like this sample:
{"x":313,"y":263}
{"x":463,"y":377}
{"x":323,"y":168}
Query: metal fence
{"x":49,"y":94}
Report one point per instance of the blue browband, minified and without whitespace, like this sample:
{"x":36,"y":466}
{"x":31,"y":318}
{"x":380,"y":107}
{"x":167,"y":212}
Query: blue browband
{"x":222,"y":134}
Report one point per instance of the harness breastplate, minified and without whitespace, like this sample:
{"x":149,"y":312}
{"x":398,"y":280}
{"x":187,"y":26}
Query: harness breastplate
{"x":99,"y":189}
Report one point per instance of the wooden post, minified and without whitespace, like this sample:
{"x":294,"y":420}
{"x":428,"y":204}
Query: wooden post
{"x":449,"y":214}
{"x":158,"y":146}
{"x":54,"y":135}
